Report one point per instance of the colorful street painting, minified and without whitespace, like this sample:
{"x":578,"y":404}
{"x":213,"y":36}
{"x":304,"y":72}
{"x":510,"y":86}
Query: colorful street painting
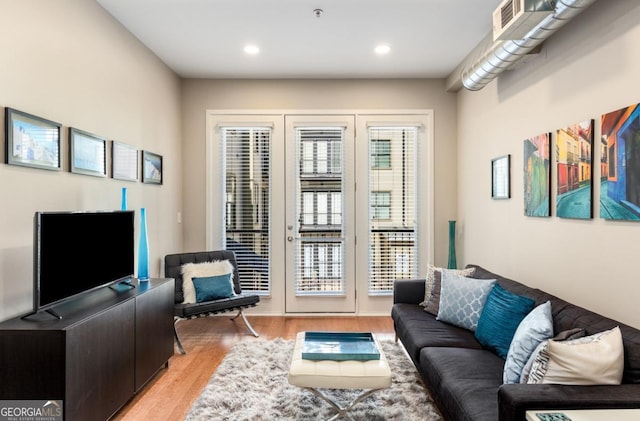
{"x":537,"y":175}
{"x":574,"y":146}
{"x":620,"y":164}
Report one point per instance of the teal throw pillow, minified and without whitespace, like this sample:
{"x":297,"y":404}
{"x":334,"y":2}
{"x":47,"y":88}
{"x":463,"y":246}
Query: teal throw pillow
{"x":535,"y":328}
{"x":213,"y":287}
{"x":501,"y":315}
{"x":462,"y":299}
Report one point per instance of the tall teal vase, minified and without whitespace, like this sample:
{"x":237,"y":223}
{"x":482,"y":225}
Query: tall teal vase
{"x":143,"y":248}
{"x":452,"y":264}
{"x":123,"y":205}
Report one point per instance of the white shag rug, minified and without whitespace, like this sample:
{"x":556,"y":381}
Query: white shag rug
{"x":251,"y":384}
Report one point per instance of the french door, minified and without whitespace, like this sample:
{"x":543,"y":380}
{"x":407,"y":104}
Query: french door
{"x":320,"y":211}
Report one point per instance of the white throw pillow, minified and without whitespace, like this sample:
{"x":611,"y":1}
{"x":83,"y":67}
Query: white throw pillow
{"x":201,"y":270}
{"x":596,"y":359}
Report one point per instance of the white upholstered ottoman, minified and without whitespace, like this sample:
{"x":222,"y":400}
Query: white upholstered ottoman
{"x":371,"y":375}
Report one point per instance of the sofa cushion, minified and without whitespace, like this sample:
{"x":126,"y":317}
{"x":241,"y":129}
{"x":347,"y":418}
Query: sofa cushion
{"x":187,"y":311}
{"x":418,"y":329}
{"x":462,"y":300}
{"x":536,"y":327}
{"x":463,"y":382}
{"x":516,"y":287}
{"x":502,"y":313}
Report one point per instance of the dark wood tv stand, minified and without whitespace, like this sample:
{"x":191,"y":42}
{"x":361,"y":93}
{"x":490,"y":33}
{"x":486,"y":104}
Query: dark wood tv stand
{"x":106,"y":346}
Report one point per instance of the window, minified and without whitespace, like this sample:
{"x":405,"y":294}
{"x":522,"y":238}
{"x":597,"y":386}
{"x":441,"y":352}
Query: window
{"x":321,"y":153}
{"x":247,"y":186}
{"x":380,"y":205}
{"x":320,"y":209}
{"x":320,"y":186}
{"x":392,"y":207}
{"x":380,"y":153}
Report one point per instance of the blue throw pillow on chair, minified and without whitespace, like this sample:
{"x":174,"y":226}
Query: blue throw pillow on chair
{"x":211,"y":288}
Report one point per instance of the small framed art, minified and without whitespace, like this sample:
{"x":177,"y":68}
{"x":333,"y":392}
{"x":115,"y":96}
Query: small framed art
{"x":151,"y":168}
{"x":88,"y":153}
{"x":501,"y":177}
{"x":31,"y":141}
{"x":124,"y":162}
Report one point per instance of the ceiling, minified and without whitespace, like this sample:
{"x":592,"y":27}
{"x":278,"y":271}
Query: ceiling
{"x":205,"y":38}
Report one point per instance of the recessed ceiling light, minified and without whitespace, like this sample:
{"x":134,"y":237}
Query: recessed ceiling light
{"x":382,"y":49}
{"x":251,"y":49}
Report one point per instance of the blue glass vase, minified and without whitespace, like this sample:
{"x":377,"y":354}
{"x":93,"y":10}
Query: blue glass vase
{"x":452,"y":264}
{"x":143,"y":248}
{"x":123,"y":206}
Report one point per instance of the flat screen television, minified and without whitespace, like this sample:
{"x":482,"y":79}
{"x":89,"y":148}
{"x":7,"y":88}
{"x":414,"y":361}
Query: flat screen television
{"x":77,"y":252}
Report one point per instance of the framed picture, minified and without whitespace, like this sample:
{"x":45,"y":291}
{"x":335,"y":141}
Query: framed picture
{"x":88,"y":153}
{"x":31,"y":141}
{"x":537,"y":175}
{"x":124,"y":162}
{"x":151,"y":168}
{"x":620,"y":164}
{"x":501,"y":177}
{"x":574,"y":166}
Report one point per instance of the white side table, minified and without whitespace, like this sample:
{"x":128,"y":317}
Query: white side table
{"x":590,"y":414}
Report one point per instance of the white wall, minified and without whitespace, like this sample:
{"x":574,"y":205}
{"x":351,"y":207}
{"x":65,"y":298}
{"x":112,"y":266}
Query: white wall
{"x":202,"y":95}
{"x":69,"y":61}
{"x":588,"y":68}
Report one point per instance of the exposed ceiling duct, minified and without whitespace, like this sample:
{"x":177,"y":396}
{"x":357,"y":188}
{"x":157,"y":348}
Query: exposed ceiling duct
{"x":490,"y":58}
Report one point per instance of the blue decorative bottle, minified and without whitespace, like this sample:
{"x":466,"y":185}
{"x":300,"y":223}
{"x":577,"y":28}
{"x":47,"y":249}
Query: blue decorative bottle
{"x":124,"y":199}
{"x":143,"y":248}
{"x":452,"y":264}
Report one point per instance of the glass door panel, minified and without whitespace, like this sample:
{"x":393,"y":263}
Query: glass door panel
{"x":320,"y":272}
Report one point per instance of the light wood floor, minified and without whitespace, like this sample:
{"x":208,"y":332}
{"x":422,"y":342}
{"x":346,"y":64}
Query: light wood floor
{"x":169,"y":395}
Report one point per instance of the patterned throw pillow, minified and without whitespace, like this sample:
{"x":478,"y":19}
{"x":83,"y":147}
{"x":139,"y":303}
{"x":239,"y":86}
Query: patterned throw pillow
{"x":430,"y":283}
{"x":433,"y":305}
{"x":536,"y":327}
{"x":462,"y":299}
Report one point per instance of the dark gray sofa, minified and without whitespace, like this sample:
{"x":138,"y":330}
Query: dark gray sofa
{"x":465,"y":380}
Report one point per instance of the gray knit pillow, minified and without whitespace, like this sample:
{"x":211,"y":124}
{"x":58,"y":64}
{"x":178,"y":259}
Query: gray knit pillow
{"x":430,"y":285}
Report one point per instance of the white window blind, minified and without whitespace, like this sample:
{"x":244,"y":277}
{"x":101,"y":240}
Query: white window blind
{"x":392,"y":206}
{"x":320,"y":247}
{"x":247,"y":207}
